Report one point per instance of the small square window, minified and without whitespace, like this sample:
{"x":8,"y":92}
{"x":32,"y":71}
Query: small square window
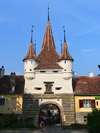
{"x":97,"y":103}
{"x":2,"y":101}
{"x":85,"y":118}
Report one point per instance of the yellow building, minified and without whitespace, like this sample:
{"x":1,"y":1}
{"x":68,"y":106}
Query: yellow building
{"x":87,"y":96}
{"x":11,"y":94}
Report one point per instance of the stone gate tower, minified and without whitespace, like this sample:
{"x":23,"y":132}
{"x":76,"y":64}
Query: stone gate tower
{"x":48,"y":79}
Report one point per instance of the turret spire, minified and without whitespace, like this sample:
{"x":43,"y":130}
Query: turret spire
{"x":48,"y":12}
{"x":61,"y":46}
{"x":32,"y":33}
{"x":64,"y":34}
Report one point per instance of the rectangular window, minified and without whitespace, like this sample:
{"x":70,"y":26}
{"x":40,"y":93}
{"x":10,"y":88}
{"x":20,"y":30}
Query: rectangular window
{"x":97,"y":103}
{"x":2,"y":101}
{"x":85,"y":118}
{"x":55,"y":71}
{"x":36,"y":88}
{"x":42,"y":71}
{"x":87,"y":103}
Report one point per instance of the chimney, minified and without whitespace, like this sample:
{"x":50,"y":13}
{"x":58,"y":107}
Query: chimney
{"x":2,"y":71}
{"x":91,"y":74}
{"x":12,"y":82}
{"x":74,"y":74}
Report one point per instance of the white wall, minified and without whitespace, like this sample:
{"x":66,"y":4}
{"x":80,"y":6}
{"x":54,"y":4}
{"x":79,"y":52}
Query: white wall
{"x":67,"y":65}
{"x":48,"y":76}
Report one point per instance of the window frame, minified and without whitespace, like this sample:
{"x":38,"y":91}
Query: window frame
{"x":4,"y":101}
{"x":92,"y":103}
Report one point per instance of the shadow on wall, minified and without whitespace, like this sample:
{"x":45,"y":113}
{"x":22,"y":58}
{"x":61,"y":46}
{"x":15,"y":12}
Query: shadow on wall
{"x":13,"y":105}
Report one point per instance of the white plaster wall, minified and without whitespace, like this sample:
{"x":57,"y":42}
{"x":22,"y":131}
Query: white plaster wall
{"x":30,"y":64}
{"x":48,"y":76}
{"x":41,"y":101}
{"x":67,"y":65}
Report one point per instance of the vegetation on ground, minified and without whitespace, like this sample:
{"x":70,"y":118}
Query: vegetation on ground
{"x":93,"y":121}
{"x":9,"y":122}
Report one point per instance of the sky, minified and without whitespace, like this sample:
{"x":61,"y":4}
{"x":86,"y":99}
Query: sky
{"x":82,"y":25}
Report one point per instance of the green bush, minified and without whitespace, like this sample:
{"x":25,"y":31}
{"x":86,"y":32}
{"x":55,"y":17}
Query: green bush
{"x":93,"y":121}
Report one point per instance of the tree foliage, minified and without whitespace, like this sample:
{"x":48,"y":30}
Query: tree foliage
{"x":93,"y":121}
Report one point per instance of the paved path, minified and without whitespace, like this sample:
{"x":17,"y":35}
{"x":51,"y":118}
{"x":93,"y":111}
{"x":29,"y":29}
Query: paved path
{"x":48,"y":130}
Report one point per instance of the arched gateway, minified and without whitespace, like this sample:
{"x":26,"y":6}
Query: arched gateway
{"x":48,"y":79}
{"x":53,"y":112}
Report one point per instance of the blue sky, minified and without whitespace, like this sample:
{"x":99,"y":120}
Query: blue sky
{"x":82,"y":24}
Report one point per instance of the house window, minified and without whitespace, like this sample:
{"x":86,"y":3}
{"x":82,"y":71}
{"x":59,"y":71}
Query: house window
{"x":65,"y":61}
{"x":97,"y":103}
{"x":85,"y":118}
{"x":2,"y":101}
{"x":87,"y":103}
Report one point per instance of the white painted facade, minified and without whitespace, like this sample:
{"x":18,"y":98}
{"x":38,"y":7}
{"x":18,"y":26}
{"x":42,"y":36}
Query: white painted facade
{"x":36,"y":78}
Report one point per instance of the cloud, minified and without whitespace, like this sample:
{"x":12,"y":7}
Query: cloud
{"x":4,"y":20}
{"x":87,"y":50}
{"x":69,"y":43}
{"x":88,"y":31}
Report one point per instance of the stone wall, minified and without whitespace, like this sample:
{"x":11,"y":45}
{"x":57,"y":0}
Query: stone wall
{"x":81,"y":117}
{"x":31,"y":107}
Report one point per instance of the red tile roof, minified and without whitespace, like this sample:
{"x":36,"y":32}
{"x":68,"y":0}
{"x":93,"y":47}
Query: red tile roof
{"x":65,"y":53}
{"x":5,"y":84}
{"x":83,"y":85}
{"x":30,"y":54}
{"x":48,"y":54}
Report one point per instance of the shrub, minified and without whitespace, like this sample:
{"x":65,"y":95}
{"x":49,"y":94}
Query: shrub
{"x":93,"y":121}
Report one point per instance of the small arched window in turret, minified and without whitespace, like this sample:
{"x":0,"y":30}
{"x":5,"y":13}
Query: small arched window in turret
{"x":31,"y":62}
{"x":65,"y":61}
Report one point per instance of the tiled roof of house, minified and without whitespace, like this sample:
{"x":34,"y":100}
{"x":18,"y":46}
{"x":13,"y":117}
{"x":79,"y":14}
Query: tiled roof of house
{"x":5,"y":84}
{"x":48,"y":54}
{"x":30,"y":54}
{"x":84,"y":85}
{"x":65,"y":53}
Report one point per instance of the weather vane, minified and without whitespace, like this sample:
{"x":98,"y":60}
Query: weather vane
{"x":61,"y":46}
{"x":32,"y":33}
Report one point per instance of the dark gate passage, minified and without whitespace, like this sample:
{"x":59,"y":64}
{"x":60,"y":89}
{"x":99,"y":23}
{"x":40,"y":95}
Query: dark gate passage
{"x":52,"y":114}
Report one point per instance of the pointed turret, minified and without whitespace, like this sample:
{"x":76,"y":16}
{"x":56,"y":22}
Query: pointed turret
{"x":31,"y":53}
{"x":65,"y":53}
{"x":30,"y":61}
{"x":48,"y":54}
{"x":65,"y":61}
